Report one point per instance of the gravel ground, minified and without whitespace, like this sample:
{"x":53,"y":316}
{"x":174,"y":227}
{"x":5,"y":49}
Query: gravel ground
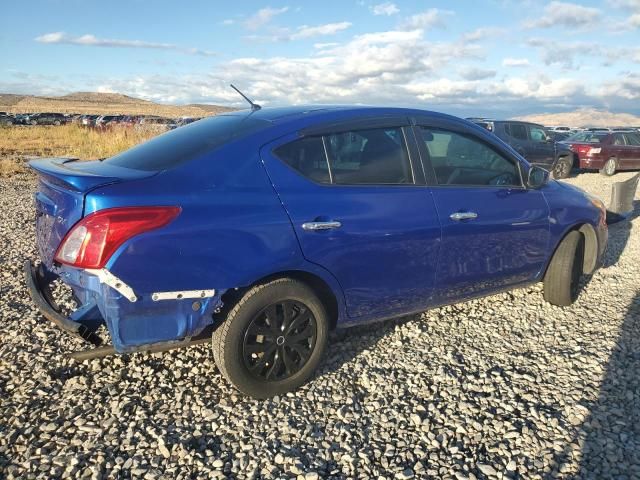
{"x":502,"y":387}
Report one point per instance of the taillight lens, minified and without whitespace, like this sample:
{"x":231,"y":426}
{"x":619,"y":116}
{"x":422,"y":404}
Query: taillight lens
{"x":92,"y":241}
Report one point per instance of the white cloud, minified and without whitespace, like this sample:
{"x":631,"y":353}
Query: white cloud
{"x":475,"y":73}
{"x":326,"y":29}
{"x":625,"y":4}
{"x":433,"y":17}
{"x":482,"y":33}
{"x":515,"y":62}
{"x":386,"y":8}
{"x":324,"y":46}
{"x":565,"y":14}
{"x":92,"y":40}
{"x":627,"y":87}
{"x":263,"y":17}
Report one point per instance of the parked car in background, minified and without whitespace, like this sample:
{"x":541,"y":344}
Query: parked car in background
{"x":105,"y":121}
{"x":534,"y":143}
{"x":559,"y":129}
{"x":181,"y":122}
{"x":21,"y":119}
{"x":6,"y":119}
{"x":88,"y":120}
{"x":559,"y":135}
{"x":48,"y":119}
{"x":158,"y":123}
{"x":271,"y":227}
{"x":606,"y":151}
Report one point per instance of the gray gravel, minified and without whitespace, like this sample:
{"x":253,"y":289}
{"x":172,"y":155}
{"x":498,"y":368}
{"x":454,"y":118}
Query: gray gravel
{"x":502,"y":387}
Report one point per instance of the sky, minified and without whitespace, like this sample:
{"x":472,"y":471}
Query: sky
{"x":481,"y":57}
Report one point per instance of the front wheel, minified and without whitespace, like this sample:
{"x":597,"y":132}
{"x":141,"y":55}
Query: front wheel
{"x":562,"y":280}
{"x":562,"y":168}
{"x":273,"y":339}
{"x":609,"y":167}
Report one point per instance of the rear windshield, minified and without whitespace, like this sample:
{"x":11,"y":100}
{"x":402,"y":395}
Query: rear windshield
{"x":186,"y":143}
{"x":587,"y":137}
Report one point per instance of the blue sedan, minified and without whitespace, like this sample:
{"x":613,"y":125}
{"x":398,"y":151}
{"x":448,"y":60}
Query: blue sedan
{"x":260,"y":231}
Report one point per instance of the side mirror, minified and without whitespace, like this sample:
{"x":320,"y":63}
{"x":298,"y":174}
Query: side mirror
{"x":537,"y":177}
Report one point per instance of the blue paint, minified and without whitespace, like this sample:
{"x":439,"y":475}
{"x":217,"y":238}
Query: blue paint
{"x":397,"y":252}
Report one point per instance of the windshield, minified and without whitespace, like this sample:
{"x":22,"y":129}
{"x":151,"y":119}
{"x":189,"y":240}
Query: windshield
{"x":587,"y":137}
{"x":185,"y":143}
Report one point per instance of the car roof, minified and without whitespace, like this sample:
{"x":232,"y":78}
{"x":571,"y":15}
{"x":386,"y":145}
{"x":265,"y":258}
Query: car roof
{"x":279,"y":115}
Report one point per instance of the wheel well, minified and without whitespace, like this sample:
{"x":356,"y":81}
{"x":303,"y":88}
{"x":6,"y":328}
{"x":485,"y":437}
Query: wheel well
{"x":317,"y":284}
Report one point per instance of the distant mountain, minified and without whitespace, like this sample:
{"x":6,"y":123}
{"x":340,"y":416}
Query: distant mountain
{"x":99,"y":97}
{"x":585,"y":117}
{"x":101,"y":104}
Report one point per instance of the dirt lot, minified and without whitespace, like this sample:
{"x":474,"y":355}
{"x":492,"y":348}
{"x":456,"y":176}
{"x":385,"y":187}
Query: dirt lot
{"x":502,"y":387}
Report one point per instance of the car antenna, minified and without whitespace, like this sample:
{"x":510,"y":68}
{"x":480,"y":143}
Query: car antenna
{"x":254,"y":106}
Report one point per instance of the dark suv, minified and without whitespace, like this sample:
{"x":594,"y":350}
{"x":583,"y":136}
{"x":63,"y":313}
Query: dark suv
{"x":48,"y":119}
{"x":534,"y":142}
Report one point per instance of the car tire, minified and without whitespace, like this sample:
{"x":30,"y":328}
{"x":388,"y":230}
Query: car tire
{"x":562,"y":168}
{"x":253,"y":355}
{"x":610,"y":167}
{"x":57,"y":123}
{"x":33,"y":122}
{"x":561,"y":282}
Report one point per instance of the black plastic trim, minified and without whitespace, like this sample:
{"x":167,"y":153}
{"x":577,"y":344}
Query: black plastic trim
{"x":38,"y":287}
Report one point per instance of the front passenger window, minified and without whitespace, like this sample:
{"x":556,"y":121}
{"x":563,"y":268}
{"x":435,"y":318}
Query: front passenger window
{"x":461,"y":160}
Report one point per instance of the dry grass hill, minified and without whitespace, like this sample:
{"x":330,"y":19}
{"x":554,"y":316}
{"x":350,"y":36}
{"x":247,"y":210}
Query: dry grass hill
{"x":102,"y":103}
{"x":585,"y":117}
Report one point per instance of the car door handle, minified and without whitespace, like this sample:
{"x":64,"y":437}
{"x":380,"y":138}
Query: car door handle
{"x":458,"y":216}
{"x":321,"y":225}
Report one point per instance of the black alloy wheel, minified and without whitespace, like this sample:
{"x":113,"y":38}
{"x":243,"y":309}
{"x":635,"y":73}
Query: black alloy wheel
{"x":279,"y":340}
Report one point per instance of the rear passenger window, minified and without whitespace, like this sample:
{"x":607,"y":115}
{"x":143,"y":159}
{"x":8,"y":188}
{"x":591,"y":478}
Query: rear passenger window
{"x":307,"y":157}
{"x":633,"y":139}
{"x":460,"y":160}
{"x":375,"y":156}
{"x":618,"y":139}
{"x":362,"y":157}
{"x":517,"y":131}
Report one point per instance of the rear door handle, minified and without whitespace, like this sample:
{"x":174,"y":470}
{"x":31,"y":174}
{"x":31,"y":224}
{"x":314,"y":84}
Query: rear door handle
{"x":458,"y":216}
{"x":321,"y":225}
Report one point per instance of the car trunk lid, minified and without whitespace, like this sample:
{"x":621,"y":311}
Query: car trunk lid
{"x":59,"y":200}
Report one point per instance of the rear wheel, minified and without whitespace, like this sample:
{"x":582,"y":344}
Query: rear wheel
{"x":562,"y":168}
{"x":562,"y":280}
{"x":273,"y":339}
{"x":609,"y":167}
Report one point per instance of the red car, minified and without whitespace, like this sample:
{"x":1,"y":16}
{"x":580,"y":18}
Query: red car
{"x":606,"y":151}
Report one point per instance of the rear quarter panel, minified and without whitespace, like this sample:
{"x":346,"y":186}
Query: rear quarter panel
{"x":232,"y":229}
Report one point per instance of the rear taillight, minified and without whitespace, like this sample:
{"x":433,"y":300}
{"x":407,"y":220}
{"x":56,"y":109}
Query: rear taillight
{"x":581,"y":150}
{"x":92,"y":241}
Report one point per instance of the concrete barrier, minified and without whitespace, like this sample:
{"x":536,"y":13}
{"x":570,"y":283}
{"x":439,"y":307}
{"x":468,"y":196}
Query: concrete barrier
{"x":622,"y":197}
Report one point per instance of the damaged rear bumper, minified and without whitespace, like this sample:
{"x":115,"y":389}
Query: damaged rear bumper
{"x":38,"y":282}
{"x":135,"y":321}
